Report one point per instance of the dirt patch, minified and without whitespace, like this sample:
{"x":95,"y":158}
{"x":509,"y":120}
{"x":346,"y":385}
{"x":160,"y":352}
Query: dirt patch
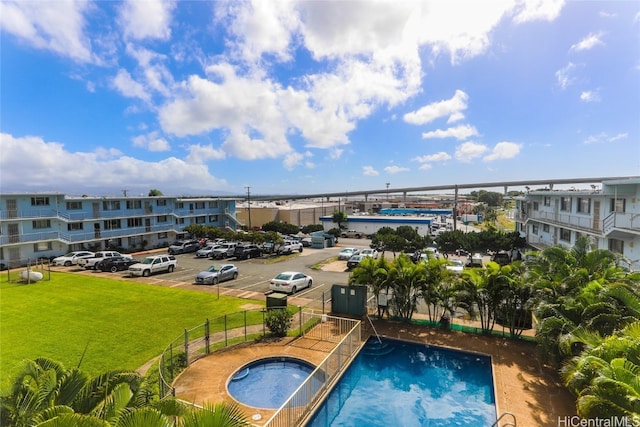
{"x":334,"y":266}
{"x":251,"y":306}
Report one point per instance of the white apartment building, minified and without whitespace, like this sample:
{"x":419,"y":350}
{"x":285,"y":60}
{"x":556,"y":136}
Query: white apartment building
{"x":609,"y":214}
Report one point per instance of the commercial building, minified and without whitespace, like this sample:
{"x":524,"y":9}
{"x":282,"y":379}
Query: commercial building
{"x":608,"y":214}
{"x":43,"y":225}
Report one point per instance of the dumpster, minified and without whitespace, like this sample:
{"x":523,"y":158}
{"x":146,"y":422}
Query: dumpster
{"x":276,"y":300}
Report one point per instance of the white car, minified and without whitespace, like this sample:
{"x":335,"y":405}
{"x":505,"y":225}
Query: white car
{"x":372,"y":253}
{"x":290,"y":282}
{"x":455,"y":265}
{"x":72,"y":258}
{"x":207,"y":251}
{"x":347,"y":253}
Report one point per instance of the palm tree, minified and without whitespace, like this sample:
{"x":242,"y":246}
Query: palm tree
{"x":479,"y":289}
{"x":407,"y":281}
{"x":515,"y":293}
{"x":373,"y":273}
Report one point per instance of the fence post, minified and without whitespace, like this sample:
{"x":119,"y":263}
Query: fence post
{"x":245,"y":325}
{"x":300,"y":320}
{"x":186,"y":347}
{"x":226,"y":342}
{"x":206,"y":335}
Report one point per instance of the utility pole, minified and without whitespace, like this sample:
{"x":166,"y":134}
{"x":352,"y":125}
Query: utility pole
{"x":388,"y":184}
{"x":249,"y":205}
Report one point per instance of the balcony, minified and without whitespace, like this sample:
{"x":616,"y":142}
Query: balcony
{"x":618,"y":224}
{"x":565,"y":220}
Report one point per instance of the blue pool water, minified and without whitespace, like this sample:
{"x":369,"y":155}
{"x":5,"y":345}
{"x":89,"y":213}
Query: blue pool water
{"x":398,"y":383}
{"x":268,"y":383}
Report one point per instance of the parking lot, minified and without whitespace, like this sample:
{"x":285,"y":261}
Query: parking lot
{"x":255,"y":273}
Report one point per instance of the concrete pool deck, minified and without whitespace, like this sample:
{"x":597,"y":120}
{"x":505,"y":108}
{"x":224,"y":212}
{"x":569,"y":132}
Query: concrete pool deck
{"x":532,"y":392}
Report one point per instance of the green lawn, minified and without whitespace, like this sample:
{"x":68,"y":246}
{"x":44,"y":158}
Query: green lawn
{"x":121,"y":324}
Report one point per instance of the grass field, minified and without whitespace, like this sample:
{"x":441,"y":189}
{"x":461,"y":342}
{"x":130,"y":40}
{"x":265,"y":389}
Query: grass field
{"x":121,"y":324}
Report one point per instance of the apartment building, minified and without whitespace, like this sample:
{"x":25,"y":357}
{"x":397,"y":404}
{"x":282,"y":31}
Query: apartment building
{"x":43,"y":225}
{"x":609,"y":214}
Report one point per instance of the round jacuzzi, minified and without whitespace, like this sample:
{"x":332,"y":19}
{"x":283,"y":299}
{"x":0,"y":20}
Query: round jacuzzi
{"x":269,"y":382}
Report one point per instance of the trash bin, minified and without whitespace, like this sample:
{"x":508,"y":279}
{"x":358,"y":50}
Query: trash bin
{"x":276,"y":300}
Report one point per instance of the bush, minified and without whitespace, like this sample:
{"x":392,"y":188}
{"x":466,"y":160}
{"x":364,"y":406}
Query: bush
{"x":279,"y":321}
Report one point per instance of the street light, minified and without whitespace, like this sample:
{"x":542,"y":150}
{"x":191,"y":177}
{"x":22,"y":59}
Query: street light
{"x":387,"y":184}
{"x":249,"y":205}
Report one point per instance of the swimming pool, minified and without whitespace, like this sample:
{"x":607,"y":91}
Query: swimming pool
{"x":409,"y":384}
{"x":268,"y":383}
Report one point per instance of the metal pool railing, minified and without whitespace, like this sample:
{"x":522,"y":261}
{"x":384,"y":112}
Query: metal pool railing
{"x":347,"y":334}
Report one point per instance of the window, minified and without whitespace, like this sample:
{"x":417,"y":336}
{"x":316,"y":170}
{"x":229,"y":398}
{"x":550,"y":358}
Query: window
{"x":616,"y":246}
{"x":583,"y":205}
{"x":134,"y":204}
{"x":213,"y":218}
{"x":535,"y":206}
{"x":42,"y":246}
{"x":547,"y":200}
{"x":213,"y":205}
{"x":200,"y":205}
{"x":112,"y":224}
{"x":565,"y":235}
{"x":163,"y":218}
{"x":41,"y":223}
{"x":75,"y":226}
{"x":535,"y":228}
{"x":162,"y":235}
{"x":179,"y":205}
{"x":545,"y":228}
{"x":111,"y":205}
{"x":134,"y":222}
{"x":179,"y":220}
{"x":618,"y":205}
{"x":161,"y":202}
{"x":565,"y":204}
{"x":40,"y":201}
{"x":74,"y":206}
{"x":201,"y":219}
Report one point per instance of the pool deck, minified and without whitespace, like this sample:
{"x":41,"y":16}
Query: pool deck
{"x":524,"y":387}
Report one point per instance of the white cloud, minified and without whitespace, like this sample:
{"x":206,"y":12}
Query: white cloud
{"x":57,"y":26}
{"x":451,"y":107}
{"x":395,"y":169}
{"x":588,"y":42}
{"x":531,"y":10}
{"x":590,"y":96}
{"x":468,"y":151}
{"x":127,"y":86}
{"x":437,"y":157}
{"x":564,"y":76}
{"x":151,"y":142}
{"x":503,"y":150}
{"x":292,"y":160}
{"x":201,"y":153}
{"x":369,"y":171}
{"x":148,"y":19}
{"x":56,"y":169}
{"x":604,"y":138}
{"x":459,"y":132}
{"x":425,"y":166}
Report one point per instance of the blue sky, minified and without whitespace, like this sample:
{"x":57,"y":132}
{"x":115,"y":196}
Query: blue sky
{"x":200,"y":98}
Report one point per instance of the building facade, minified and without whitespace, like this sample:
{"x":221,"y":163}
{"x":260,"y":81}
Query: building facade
{"x":44,"y":225}
{"x":608,"y":214}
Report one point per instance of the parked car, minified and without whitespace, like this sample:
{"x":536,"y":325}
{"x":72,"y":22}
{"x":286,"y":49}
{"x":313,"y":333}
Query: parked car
{"x":455,"y":265}
{"x":223,"y":251}
{"x":217,"y":273}
{"x":306,"y":242}
{"x":183,"y":247}
{"x":153,"y":264}
{"x":475,"y":260}
{"x":501,"y":258}
{"x":247,"y":251}
{"x":206,"y":251}
{"x":289,"y":247}
{"x":351,"y":234}
{"x":90,"y":263}
{"x":72,"y":258}
{"x":116,"y":263}
{"x":347,"y":253}
{"x":290,"y":282}
{"x":370,"y":253}
{"x":354,"y":261}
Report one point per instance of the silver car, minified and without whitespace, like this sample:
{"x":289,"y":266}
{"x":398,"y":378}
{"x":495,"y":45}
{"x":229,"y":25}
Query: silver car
{"x":217,"y":273}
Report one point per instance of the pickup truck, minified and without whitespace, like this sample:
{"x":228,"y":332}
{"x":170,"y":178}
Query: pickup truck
{"x":153,"y":264}
{"x":289,"y":247}
{"x":351,"y":234}
{"x":90,"y":263}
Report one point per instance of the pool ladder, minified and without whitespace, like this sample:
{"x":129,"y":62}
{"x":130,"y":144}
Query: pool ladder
{"x":374,"y":329}
{"x":513,"y":423}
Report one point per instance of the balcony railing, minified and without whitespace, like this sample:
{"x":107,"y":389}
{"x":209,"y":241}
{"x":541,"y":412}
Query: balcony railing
{"x":621,"y":221}
{"x":584,"y":222}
